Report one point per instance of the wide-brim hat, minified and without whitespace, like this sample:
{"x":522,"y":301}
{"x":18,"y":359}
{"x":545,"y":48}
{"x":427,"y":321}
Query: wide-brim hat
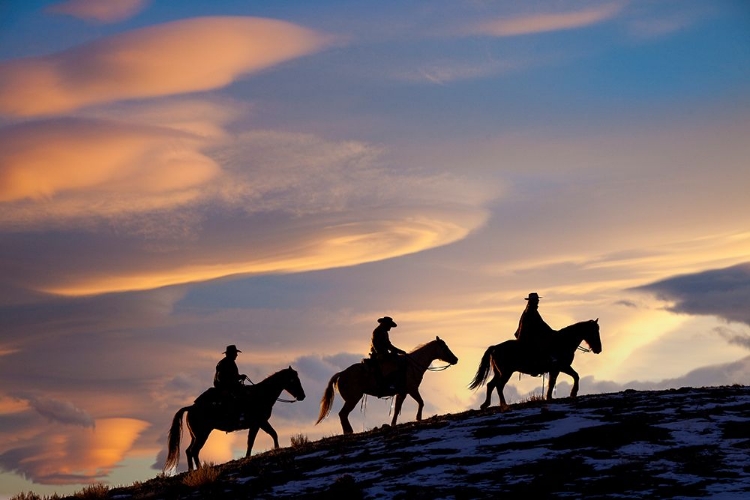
{"x":231,"y":348}
{"x":387,"y":320}
{"x":533,"y":296}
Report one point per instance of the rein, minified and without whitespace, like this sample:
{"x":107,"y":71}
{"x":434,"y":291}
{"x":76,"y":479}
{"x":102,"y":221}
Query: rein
{"x":430,"y":368}
{"x":287,"y":400}
{"x":438,"y":368}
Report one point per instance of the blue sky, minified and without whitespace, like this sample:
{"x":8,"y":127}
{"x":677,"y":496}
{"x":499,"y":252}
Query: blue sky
{"x":180,"y":176}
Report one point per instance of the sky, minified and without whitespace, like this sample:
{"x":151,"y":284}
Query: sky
{"x":176,"y":177}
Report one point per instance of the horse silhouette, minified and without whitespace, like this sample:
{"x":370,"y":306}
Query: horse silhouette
{"x":358,"y":380}
{"x":512,"y":356}
{"x":255,"y":403}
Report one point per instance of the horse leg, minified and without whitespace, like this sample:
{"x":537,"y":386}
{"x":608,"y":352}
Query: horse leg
{"x":574,"y":374}
{"x":344,"y":415}
{"x":266,"y":426}
{"x":504,"y":377}
{"x":192,"y":451}
{"x":420,"y":402}
{"x":551,"y":384}
{"x":490,"y":387}
{"x":397,"y":407}
{"x":252,"y":432}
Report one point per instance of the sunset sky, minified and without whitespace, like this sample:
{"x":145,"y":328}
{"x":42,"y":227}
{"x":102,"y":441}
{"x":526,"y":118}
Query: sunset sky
{"x":180,"y":176}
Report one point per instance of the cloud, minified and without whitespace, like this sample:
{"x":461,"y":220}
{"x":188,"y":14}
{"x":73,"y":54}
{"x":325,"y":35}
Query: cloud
{"x":111,"y":11}
{"x":184,"y":212}
{"x":734,"y":337}
{"x":720,"y":292}
{"x":172,"y":58}
{"x":655,"y":23}
{"x":68,"y":160}
{"x":61,"y":411}
{"x":542,"y":23}
{"x":80,"y":456}
{"x":736,"y":372}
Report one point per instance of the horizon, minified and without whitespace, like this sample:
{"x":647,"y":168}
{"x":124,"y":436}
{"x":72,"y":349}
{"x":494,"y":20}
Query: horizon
{"x":178,"y":178}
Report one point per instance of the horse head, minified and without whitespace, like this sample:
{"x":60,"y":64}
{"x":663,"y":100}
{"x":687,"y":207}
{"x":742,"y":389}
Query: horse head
{"x":444,"y":352}
{"x":592,"y":337}
{"x":292,"y":384}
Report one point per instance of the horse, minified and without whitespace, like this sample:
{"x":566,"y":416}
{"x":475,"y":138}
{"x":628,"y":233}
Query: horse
{"x":358,"y":380}
{"x":255,"y":402}
{"x":510,"y":356}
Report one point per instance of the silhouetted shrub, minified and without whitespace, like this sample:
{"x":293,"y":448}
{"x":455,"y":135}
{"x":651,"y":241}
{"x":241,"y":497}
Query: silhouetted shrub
{"x":208,"y":474}
{"x":93,"y":492}
{"x":26,"y":496}
{"x":299,"y":440}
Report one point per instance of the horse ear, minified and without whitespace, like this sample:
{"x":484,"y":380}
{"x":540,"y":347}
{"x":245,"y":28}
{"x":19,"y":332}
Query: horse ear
{"x":596,"y":320}
{"x":290,"y":367}
{"x":437,"y":338}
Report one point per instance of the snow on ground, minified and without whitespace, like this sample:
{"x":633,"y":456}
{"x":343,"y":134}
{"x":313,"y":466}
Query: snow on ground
{"x":685,"y":443}
{"x":434,"y":456}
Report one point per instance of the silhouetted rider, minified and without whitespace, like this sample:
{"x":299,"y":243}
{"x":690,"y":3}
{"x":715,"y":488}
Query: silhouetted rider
{"x":381,"y":348}
{"x":532,"y":330}
{"x":227,"y":378}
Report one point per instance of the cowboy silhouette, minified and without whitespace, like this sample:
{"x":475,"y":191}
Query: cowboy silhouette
{"x":228,"y":379}
{"x":382,"y":351}
{"x":532,"y":332}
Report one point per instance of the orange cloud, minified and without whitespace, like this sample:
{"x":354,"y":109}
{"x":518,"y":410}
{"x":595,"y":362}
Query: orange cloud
{"x":541,"y":23}
{"x":78,"y":456}
{"x":97,"y":10}
{"x":41,"y":161}
{"x":318,"y":248}
{"x":10,"y":405}
{"x":173,"y":58}
{"x":182,"y":222}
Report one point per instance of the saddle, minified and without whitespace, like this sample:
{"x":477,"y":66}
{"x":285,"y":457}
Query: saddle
{"x":389,"y":375}
{"x":224,"y":404}
{"x":538,"y":360}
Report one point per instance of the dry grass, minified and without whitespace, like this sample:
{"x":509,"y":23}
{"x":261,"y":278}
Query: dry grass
{"x":299,"y":440}
{"x":206,"y":475}
{"x":93,"y":492}
{"x":33,"y":496}
{"x":533,"y":398}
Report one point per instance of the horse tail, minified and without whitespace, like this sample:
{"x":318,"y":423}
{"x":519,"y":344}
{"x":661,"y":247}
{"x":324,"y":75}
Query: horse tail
{"x":173,"y":446}
{"x":327,"y":400}
{"x":484,"y":369}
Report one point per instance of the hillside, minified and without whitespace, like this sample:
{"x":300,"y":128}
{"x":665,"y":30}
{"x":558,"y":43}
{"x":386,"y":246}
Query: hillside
{"x":650,"y":444}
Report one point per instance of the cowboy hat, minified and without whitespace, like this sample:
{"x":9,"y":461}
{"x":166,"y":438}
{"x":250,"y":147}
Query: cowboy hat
{"x":231,"y":348}
{"x":387,"y":320}
{"x":533,"y":296}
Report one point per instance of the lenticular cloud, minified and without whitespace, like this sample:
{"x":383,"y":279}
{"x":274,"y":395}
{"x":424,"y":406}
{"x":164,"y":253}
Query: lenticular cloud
{"x":172,"y":58}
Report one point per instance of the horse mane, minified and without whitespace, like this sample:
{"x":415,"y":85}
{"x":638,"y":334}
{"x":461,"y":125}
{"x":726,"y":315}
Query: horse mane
{"x":421,"y":346}
{"x":278,"y":373}
{"x":573,"y":326}
{"x":266,"y":379}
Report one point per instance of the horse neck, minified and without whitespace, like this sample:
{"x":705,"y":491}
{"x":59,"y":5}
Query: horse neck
{"x":573,"y":335}
{"x":424,"y":355}
{"x":272,"y":386}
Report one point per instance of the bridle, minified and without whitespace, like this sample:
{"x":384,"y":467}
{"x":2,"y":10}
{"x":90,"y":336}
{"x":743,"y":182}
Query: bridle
{"x":430,"y":368}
